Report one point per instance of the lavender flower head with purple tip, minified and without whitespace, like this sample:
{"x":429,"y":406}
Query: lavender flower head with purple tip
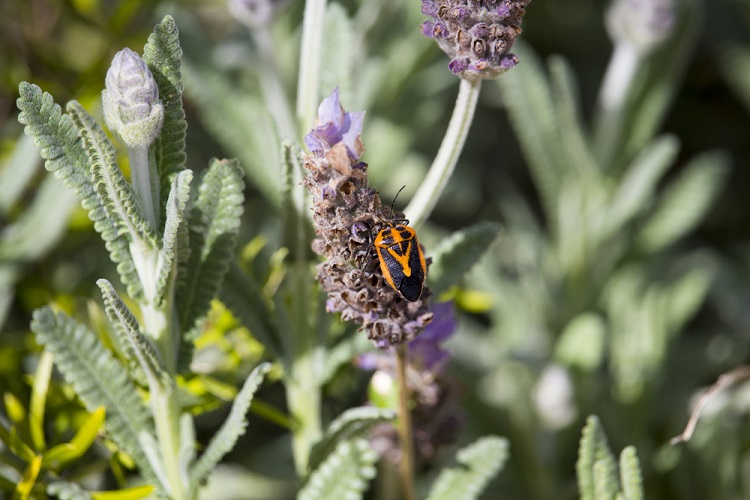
{"x":476,"y":34}
{"x":345,"y":209}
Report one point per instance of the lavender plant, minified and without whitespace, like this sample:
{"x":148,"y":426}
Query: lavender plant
{"x":579,"y":306}
{"x":172,"y":253}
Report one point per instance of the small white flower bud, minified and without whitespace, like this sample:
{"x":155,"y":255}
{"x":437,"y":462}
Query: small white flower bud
{"x":644,"y":24}
{"x":132,"y":108}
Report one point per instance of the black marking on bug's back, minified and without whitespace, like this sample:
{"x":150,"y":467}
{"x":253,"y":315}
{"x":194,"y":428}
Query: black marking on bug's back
{"x":411,"y":286}
{"x":405,"y":234}
{"x":400,"y":249}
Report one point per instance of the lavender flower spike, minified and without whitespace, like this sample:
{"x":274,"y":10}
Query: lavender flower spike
{"x":477,"y":35}
{"x":132,"y":108}
{"x":344,"y":211}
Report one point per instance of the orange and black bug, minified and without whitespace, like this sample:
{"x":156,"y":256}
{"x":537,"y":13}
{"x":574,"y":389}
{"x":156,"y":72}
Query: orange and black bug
{"x":401,"y":259}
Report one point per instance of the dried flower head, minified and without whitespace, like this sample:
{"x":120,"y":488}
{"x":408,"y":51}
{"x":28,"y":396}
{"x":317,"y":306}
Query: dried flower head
{"x":132,"y":108}
{"x":345,"y":210}
{"x":644,"y":24}
{"x":476,"y":34}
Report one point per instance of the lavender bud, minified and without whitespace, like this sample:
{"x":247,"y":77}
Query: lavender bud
{"x":476,"y":35}
{"x":345,"y":210}
{"x":132,"y":108}
{"x":644,"y":24}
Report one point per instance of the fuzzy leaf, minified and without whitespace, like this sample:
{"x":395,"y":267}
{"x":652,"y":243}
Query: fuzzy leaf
{"x":117,"y":216}
{"x":630,"y":474}
{"x":163,"y":55}
{"x":38,"y":229}
{"x":337,"y":53}
{"x":605,"y":480}
{"x":593,"y":452}
{"x":57,"y":139}
{"x":573,"y":136}
{"x":637,"y":187}
{"x":64,"y":490}
{"x":344,"y":474}
{"x":175,"y":241}
{"x":244,"y":297}
{"x":527,"y":95}
{"x":353,"y":423}
{"x":232,"y":428}
{"x":214,"y":222}
{"x":478,"y":463}
{"x":685,"y":201}
{"x":240,"y":122}
{"x":17,"y":172}
{"x":457,"y":253}
{"x":98,"y":378}
{"x":137,"y":347}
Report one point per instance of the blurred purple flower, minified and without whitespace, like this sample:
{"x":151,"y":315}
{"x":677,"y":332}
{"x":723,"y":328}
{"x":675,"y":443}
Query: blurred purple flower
{"x":427,"y":349}
{"x":335,"y":126}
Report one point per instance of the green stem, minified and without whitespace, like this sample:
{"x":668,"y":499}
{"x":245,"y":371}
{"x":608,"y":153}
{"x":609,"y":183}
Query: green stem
{"x":145,"y":184}
{"x":440,"y":172}
{"x":406,"y":464}
{"x":308,"y":85}
{"x":303,"y":398}
{"x":166,"y":413}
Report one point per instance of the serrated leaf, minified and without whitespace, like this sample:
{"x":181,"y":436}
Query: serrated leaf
{"x":630,"y":474}
{"x":57,"y":139}
{"x":605,"y":480}
{"x":138,"y":348}
{"x":527,"y":95}
{"x":337,"y":53}
{"x":117,"y":215}
{"x":593,"y":449}
{"x":685,"y":201}
{"x":568,"y":110}
{"x":232,"y":428}
{"x":478,"y":463}
{"x":38,"y":229}
{"x":457,"y":253}
{"x":64,"y":490}
{"x":175,"y":241}
{"x":163,"y":55}
{"x":214,"y":222}
{"x":240,"y":122}
{"x":638,"y":185}
{"x":353,"y":423}
{"x":98,"y":378}
{"x":17,"y":172}
{"x":344,"y":474}
{"x":244,"y":297}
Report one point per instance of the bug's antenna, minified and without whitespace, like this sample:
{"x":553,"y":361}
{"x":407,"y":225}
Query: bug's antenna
{"x":394,"y":198}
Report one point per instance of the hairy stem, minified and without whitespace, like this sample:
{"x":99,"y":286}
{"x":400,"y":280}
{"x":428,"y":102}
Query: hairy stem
{"x":145,"y":185}
{"x":406,"y":464}
{"x":440,"y":172}
{"x":166,"y":412}
{"x":308,"y":88}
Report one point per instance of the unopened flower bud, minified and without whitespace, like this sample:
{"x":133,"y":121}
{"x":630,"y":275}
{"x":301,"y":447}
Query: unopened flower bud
{"x":476,"y":35}
{"x":132,"y":108}
{"x":644,"y":24}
